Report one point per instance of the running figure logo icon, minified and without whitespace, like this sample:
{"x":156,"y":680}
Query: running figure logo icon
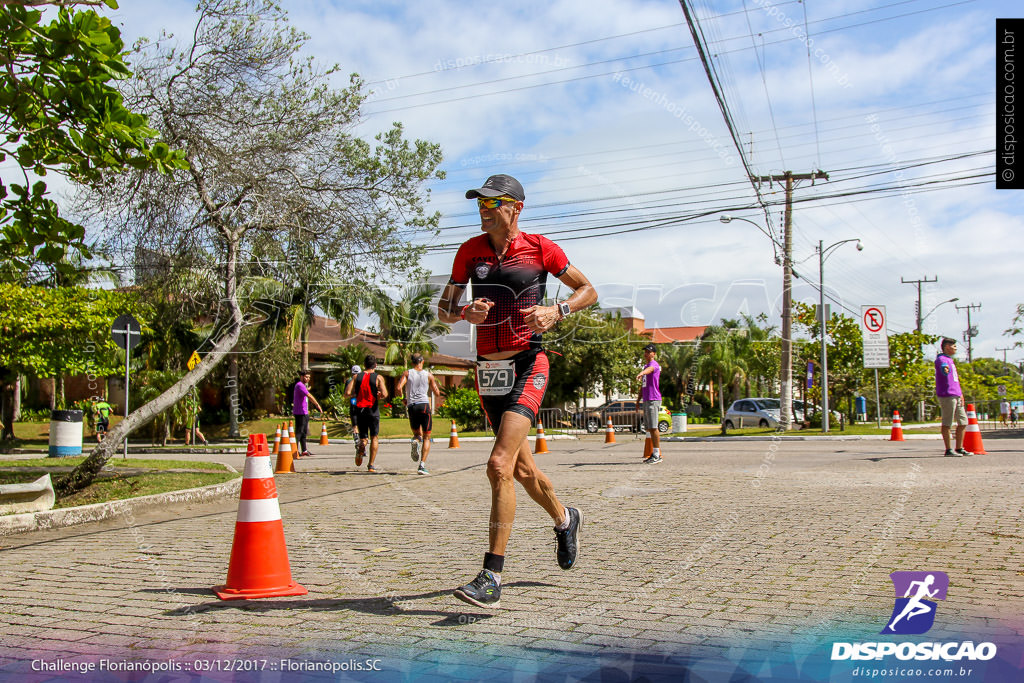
{"x":913,"y":614}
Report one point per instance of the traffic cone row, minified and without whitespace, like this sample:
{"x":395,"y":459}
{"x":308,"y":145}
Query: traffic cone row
{"x":609,"y":432}
{"x":323,"y":434}
{"x":285,"y":463}
{"x":258,"y":567}
{"x":542,"y":443}
{"x":277,"y":441}
{"x":453,"y":438}
{"x":897,"y":427}
{"x":972,"y":435}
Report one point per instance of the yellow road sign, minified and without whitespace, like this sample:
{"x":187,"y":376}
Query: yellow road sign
{"x":193,"y":360}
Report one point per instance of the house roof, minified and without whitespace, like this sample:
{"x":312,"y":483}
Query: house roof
{"x":325,"y":338}
{"x":667,"y":335}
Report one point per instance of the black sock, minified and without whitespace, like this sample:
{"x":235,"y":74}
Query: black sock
{"x":494,"y":563}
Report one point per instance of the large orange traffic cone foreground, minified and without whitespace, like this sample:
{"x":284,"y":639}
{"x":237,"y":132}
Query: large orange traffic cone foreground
{"x":897,"y":427}
{"x":453,"y":438}
{"x":285,"y":464}
{"x":323,"y":434}
{"x":277,"y":441}
{"x":972,"y":435}
{"x":609,"y":432}
{"x":648,"y":446}
{"x":259,"y":558}
{"x":542,"y":443}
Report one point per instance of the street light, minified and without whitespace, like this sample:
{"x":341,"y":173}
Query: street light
{"x":824,"y":253}
{"x":786,"y":370}
{"x":947,"y":301}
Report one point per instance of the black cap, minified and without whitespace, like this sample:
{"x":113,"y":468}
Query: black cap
{"x":651,"y":347}
{"x":500,"y":185}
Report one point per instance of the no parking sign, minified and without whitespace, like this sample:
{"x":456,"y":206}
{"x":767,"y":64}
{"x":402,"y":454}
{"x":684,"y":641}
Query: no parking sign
{"x":876,"y":338}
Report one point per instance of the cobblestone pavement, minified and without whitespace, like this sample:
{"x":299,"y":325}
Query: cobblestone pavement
{"x":759,"y":540}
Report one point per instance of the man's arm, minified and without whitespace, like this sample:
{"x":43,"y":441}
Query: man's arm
{"x":449,"y":311}
{"x":348,"y":388}
{"x":433,"y":386}
{"x":543,"y":318}
{"x":382,"y":389}
{"x":401,"y":384}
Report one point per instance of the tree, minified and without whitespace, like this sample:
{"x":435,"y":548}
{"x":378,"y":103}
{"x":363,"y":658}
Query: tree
{"x":60,"y":112}
{"x":272,"y":157}
{"x":410,"y":324}
{"x":720,"y":363}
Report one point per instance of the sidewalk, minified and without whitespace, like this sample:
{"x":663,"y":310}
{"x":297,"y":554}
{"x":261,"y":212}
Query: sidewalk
{"x":727,"y":542}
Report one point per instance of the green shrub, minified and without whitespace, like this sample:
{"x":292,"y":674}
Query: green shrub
{"x":463,"y":406}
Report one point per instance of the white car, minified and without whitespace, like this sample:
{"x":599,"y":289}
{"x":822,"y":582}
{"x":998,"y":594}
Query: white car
{"x":753,"y":412}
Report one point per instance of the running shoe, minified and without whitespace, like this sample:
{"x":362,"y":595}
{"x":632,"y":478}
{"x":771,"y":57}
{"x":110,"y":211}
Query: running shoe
{"x":950,"y":453}
{"x":307,"y":454}
{"x":360,"y":452}
{"x":964,"y":451}
{"x":371,"y":468}
{"x":653,"y":460}
{"x":417,"y":448}
{"x":569,"y":540}
{"x":421,"y":469}
{"x":483,"y":591}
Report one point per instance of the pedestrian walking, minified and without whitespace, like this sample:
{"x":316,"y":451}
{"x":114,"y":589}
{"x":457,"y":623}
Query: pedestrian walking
{"x":368,"y":388}
{"x":508,"y":270}
{"x":416,"y":385}
{"x":1013,"y":416}
{"x":1004,"y":412}
{"x":301,"y":396}
{"x":650,"y":400}
{"x":192,"y":408}
{"x":951,"y":399}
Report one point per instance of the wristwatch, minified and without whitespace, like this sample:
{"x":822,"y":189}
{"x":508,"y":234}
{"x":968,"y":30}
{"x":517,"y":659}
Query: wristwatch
{"x":564,"y":309}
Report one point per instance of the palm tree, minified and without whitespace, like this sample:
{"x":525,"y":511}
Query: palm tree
{"x":410,"y":324}
{"x":720,"y":363}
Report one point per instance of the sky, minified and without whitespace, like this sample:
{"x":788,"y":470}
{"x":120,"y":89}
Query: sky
{"x":605,"y":113}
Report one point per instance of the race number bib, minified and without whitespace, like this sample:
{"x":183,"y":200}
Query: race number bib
{"x":495,"y":377}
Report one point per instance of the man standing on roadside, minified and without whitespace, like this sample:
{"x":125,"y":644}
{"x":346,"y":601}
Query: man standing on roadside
{"x":300,"y":410}
{"x":420,"y":385}
{"x":650,"y":401}
{"x":509,"y":269}
{"x":368,"y":388}
{"x":951,"y":399}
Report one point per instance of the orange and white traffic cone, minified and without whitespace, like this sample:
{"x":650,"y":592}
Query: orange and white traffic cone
{"x":295,"y":443}
{"x":453,"y":438}
{"x":648,"y":446}
{"x":277,"y":441}
{"x":609,"y":432}
{"x":285,"y":463}
{"x":542,"y":443}
{"x":972,"y":435}
{"x":258,"y":567}
{"x":323,"y":434}
{"x":897,"y":427}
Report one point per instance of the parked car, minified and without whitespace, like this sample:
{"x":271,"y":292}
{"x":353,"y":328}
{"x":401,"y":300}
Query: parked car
{"x":752,"y":412}
{"x":799,"y":412}
{"x":625,"y":416}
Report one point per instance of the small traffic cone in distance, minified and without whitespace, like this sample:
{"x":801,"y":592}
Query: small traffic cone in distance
{"x":542,"y":443}
{"x":284,"y":456}
{"x":648,"y":446}
{"x":323,"y":434}
{"x":453,"y":438}
{"x":295,"y":443}
{"x":258,"y":567}
{"x":897,"y":427}
{"x":277,"y":440}
{"x":972,"y":434}
{"x":609,"y":432}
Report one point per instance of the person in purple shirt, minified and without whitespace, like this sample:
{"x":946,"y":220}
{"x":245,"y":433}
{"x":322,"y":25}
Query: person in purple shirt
{"x":951,"y":398}
{"x":300,"y":410}
{"x":650,"y":400}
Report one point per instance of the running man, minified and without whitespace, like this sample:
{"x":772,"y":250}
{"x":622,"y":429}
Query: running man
{"x":508,"y":269}
{"x":368,"y":388}
{"x":352,"y":411}
{"x":421,"y":383}
{"x":951,"y":399}
{"x":101,"y":412}
{"x":300,"y":411}
{"x":650,"y":401}
{"x":914,"y":606}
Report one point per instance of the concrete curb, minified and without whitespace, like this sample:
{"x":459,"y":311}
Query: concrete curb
{"x":64,"y":517}
{"x":852,"y":437}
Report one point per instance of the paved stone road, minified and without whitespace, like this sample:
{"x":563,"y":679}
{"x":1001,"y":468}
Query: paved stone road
{"x":765,"y":541}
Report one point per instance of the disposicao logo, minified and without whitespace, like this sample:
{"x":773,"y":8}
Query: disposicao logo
{"x":914,"y":614}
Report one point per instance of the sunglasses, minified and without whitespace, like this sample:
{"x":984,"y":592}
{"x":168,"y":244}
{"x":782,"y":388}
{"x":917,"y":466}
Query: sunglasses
{"x":494,"y":202}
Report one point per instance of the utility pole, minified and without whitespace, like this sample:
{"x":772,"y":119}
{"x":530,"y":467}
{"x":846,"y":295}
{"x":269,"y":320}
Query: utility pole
{"x":969,"y":334}
{"x":786,"y":372}
{"x":917,"y":313}
{"x":1004,"y":350}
